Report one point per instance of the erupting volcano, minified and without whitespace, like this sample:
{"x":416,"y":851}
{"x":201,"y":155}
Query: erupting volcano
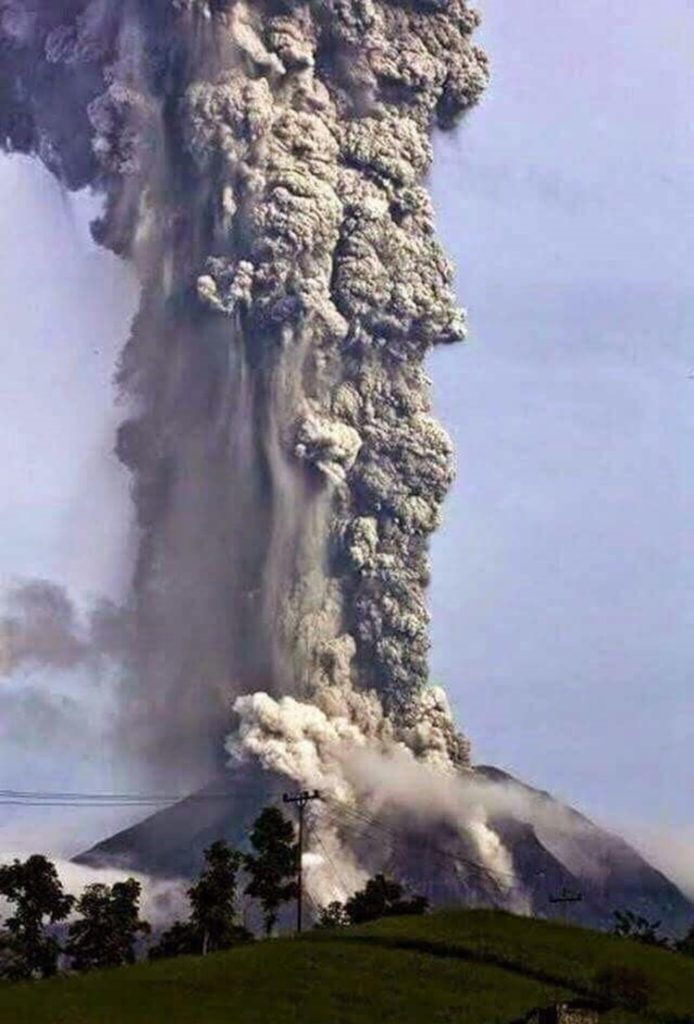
{"x":262,"y":167}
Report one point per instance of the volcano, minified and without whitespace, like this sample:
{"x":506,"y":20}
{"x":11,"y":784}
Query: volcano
{"x":555,"y":851}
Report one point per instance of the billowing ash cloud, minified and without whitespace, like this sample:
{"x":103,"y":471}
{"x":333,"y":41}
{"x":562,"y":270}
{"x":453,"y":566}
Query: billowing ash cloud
{"x":262,"y":166}
{"x":41,"y":628}
{"x":366,"y":763}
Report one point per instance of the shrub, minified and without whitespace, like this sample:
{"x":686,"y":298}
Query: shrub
{"x":624,"y":986}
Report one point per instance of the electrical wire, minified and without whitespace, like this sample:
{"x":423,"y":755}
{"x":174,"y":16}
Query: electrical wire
{"x":400,"y":834}
{"x":344,"y":814}
{"x":396,"y":834}
{"x":333,"y":866}
{"x":339,"y":813}
{"x":45,"y":798}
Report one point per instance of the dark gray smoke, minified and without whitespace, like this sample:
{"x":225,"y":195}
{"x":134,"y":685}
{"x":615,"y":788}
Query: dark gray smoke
{"x":41,"y":628}
{"x":261,"y":165}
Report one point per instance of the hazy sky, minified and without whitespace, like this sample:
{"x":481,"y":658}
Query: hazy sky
{"x":64,"y":508}
{"x":563,"y":579}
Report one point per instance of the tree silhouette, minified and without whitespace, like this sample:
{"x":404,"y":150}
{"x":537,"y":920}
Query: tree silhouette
{"x":213,"y":898}
{"x":333,"y":915}
{"x":106,"y":932}
{"x":181,"y":939}
{"x":212,"y":925}
{"x":34,"y":890}
{"x":272,"y":867}
{"x":382,"y":897}
{"x":633,"y":926}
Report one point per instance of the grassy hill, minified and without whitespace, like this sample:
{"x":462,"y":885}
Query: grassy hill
{"x":458,"y":967}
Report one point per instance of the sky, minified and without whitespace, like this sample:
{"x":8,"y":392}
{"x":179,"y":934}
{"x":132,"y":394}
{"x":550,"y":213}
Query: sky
{"x":65,"y":512}
{"x":562,"y":598}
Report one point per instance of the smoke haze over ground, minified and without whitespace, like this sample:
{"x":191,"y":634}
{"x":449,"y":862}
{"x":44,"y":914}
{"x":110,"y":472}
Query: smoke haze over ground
{"x":162,"y":901}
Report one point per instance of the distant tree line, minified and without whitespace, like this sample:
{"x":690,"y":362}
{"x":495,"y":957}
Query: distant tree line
{"x":47,"y":928}
{"x":380,"y":897}
{"x":629,"y":925}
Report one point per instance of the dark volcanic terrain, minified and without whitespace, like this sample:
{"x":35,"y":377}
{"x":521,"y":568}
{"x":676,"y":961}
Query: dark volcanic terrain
{"x":558,"y":851}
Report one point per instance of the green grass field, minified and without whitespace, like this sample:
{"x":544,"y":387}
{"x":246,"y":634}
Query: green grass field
{"x":462,"y":967}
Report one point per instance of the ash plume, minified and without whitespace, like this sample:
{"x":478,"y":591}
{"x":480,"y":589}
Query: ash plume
{"x":262,"y":166}
{"x":40,"y":627}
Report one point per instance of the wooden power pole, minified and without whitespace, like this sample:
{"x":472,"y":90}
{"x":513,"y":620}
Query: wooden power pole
{"x":300,"y":799}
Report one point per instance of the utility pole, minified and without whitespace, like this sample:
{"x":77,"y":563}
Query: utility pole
{"x":300,"y":799}
{"x":565,"y":899}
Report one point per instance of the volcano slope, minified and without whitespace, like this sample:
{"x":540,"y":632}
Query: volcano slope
{"x":552,"y":848}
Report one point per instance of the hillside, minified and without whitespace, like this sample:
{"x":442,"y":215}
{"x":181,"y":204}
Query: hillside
{"x":458,"y":967}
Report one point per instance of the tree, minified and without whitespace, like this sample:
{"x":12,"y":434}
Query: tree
{"x":12,"y":965}
{"x":633,"y":926}
{"x":213,"y":898}
{"x":106,"y":932}
{"x":333,"y":916}
{"x":36,"y":893}
{"x":182,"y":939}
{"x":382,"y":897}
{"x":212,"y":925}
{"x":272,"y":868}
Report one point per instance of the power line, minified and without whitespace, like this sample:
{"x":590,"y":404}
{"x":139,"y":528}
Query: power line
{"x":358,"y":821}
{"x":112,"y":796}
{"x":358,"y":817}
{"x":342,"y":814}
{"x":399,"y":834}
{"x":331,"y":862}
{"x":56,"y":798}
{"x":468,"y":862}
{"x":83,"y":803}
{"x":49,"y":798}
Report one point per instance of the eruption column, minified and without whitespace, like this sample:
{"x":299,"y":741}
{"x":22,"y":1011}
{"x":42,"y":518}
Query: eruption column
{"x":262,"y":165}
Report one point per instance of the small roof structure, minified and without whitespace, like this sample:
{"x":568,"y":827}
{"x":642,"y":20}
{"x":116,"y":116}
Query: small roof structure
{"x":576,"y":1011}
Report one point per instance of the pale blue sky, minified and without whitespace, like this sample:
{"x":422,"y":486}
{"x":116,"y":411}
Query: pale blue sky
{"x":563,"y":578}
{"x":64,"y":505}
{"x":563,"y":591}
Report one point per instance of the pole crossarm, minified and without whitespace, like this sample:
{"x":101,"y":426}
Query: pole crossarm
{"x":564,"y":900}
{"x":567,"y":897}
{"x":301,"y":798}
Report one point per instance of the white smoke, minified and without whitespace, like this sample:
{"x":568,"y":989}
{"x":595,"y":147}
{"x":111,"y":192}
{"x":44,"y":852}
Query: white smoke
{"x":346,"y":747}
{"x":669,"y":849}
{"x":368,"y":769}
{"x":162,"y":900}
